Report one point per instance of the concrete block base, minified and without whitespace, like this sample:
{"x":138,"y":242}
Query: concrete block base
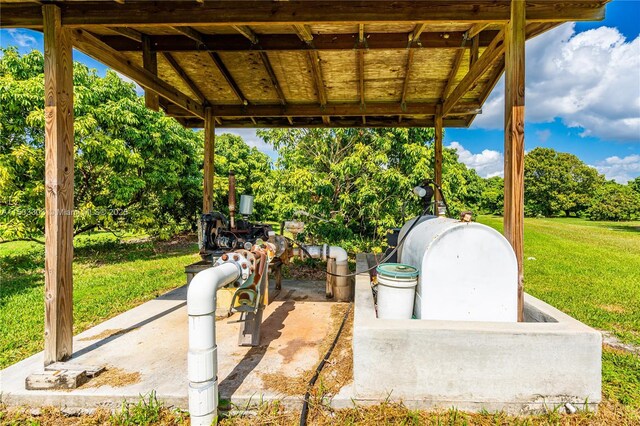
{"x":550,"y":359}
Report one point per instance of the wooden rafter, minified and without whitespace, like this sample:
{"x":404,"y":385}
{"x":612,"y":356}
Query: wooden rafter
{"x":185,"y":77}
{"x":228,"y":77}
{"x":418,"y":30}
{"x":493,"y":52}
{"x":304,"y":33}
{"x":476,"y":29}
{"x":457,"y":61}
{"x":361,"y":42}
{"x":128,"y":32}
{"x":188,"y":41}
{"x":82,"y":14}
{"x":93,"y":47}
{"x":197,"y":36}
{"x":475,"y":51}
{"x":266,"y":62}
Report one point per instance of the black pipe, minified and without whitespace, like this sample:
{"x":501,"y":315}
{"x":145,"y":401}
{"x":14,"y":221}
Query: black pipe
{"x":305,"y":405}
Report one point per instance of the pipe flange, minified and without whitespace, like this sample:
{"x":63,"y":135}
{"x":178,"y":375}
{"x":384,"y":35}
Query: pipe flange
{"x":237,"y":259}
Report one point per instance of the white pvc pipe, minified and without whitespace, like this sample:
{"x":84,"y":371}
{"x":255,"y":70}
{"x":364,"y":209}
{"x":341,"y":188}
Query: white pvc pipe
{"x":202,"y":358}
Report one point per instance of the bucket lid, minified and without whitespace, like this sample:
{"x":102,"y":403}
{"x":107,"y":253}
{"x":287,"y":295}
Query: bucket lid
{"x":397,"y":270}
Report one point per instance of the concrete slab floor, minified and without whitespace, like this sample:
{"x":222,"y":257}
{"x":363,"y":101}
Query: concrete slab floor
{"x":145,"y":349}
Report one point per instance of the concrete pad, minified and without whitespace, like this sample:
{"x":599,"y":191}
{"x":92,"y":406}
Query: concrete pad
{"x":151,"y":340}
{"x":547,"y":361}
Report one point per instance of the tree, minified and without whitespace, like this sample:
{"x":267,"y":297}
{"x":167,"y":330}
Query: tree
{"x":635,"y":184}
{"x":613,"y":201}
{"x":558,"y":183}
{"x":359,"y":180}
{"x":492,"y":198}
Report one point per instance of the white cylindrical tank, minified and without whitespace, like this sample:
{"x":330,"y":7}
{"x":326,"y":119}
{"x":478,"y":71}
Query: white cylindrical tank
{"x":468,"y":271}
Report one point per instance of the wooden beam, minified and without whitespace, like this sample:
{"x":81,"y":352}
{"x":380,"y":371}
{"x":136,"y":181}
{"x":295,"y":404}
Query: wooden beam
{"x":128,"y":33}
{"x":457,"y":61}
{"x":59,"y":170}
{"x":150,"y":64}
{"x":228,"y":77}
{"x":209,"y":156}
{"x":361,"y":78}
{"x":514,"y":139}
{"x":304,"y":32}
{"x":247,"y":32}
{"x":331,"y":109}
{"x":185,"y":77}
{"x":407,"y":77}
{"x":415,"y":35}
{"x":189,"y":40}
{"x":198,"y":37}
{"x":335,"y":122}
{"x":142,"y":13}
{"x":437,"y":173}
{"x":476,"y":29}
{"x":272,"y":76}
{"x":93,"y":47}
{"x":489,"y":56}
{"x":474,"y":52}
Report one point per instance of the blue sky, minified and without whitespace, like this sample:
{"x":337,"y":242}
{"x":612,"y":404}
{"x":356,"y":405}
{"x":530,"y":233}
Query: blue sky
{"x":583,"y":96}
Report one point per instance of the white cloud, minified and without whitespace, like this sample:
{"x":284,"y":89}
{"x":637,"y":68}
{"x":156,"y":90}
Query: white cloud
{"x":488,"y":163}
{"x":622,"y":170}
{"x":22,"y":39}
{"x":590,"y":80}
{"x":139,"y":89}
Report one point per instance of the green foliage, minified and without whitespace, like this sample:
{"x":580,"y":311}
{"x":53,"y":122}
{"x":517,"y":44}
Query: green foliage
{"x":613,"y":201}
{"x":635,"y":184}
{"x":557,"y":183}
{"x":492,"y":196}
{"x":135,"y":169}
{"x":359,"y":180}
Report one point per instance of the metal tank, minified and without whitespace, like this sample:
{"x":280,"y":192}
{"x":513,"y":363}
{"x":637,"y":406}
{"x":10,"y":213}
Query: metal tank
{"x":468,"y":271}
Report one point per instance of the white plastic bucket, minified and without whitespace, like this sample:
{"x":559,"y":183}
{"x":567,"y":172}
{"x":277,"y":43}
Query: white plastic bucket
{"x":396,"y":290}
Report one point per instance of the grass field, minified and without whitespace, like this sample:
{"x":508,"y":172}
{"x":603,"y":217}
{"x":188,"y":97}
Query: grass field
{"x":109,"y":278}
{"x":591,"y":270}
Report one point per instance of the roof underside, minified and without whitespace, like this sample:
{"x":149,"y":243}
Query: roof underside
{"x":305,"y":63}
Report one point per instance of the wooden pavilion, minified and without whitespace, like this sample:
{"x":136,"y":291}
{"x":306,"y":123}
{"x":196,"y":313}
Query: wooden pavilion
{"x":308,"y":63}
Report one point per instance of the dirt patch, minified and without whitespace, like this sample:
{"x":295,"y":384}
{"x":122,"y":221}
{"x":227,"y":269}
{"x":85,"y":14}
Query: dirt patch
{"x":309,"y":270}
{"x":337,"y":371}
{"x":611,"y":342}
{"x":114,"y":377}
{"x":614,"y":309}
{"x":110,"y":332}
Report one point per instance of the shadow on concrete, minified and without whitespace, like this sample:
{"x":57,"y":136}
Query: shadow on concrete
{"x":270,"y":331}
{"x":124,"y":331}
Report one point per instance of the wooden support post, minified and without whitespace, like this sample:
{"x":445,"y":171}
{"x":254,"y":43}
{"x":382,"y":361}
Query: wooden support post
{"x":438,"y":152}
{"x":150,"y":63}
{"x":59,"y":150}
{"x":209,"y":154}
{"x":514,"y":139}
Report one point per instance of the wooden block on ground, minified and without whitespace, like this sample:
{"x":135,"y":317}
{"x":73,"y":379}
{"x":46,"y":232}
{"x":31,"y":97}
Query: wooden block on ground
{"x":59,"y":379}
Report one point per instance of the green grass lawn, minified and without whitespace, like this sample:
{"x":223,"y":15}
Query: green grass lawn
{"x":109,"y":278}
{"x":590,"y":270}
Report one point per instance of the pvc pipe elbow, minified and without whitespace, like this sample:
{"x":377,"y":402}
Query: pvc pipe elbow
{"x":201,"y":295}
{"x":337,"y":253}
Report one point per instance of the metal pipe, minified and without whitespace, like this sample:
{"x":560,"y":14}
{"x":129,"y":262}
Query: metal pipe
{"x":202,"y":357}
{"x":232,"y":200}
